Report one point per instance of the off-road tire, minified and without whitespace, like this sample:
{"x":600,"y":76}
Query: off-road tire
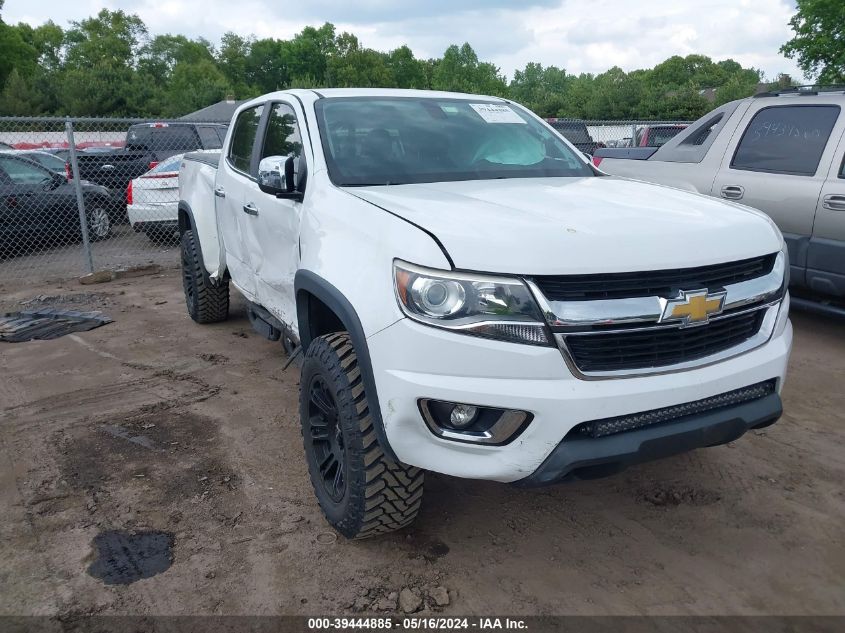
{"x":206,"y":302}
{"x":380,"y":495}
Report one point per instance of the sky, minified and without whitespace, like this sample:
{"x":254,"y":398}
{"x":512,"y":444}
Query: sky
{"x":578,"y":35}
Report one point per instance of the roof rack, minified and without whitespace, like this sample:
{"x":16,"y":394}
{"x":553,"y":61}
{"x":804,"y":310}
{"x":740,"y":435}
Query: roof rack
{"x":809,"y":90}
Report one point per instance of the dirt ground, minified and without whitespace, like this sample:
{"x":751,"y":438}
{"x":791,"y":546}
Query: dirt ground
{"x":156,"y":423}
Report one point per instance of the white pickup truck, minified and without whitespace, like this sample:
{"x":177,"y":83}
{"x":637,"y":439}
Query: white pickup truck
{"x":780,"y":152}
{"x":474,"y":298}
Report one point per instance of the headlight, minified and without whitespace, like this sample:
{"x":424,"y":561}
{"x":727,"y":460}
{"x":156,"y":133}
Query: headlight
{"x":492,"y":307}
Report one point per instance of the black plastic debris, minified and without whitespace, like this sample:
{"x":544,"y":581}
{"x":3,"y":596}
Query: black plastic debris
{"x":30,"y":325}
{"x":124,"y":557}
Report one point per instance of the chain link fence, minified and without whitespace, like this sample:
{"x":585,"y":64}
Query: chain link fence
{"x":83,"y":195}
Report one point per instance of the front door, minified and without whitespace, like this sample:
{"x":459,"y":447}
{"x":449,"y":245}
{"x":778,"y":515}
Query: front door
{"x":779,"y":166}
{"x":826,"y":257}
{"x":273,"y":229}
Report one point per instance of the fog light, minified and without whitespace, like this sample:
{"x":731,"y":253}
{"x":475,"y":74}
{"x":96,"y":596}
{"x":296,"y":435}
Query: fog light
{"x":463,"y":415}
{"x":472,"y":423}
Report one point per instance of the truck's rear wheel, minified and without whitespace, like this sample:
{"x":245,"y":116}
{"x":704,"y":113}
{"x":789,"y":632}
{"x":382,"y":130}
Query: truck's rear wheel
{"x":361,"y":491}
{"x":206,"y":302}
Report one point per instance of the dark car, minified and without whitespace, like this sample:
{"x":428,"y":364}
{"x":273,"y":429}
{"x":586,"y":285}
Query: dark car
{"x":54,"y":163}
{"x":146,"y":145}
{"x":575,"y":131}
{"x":38,"y":207}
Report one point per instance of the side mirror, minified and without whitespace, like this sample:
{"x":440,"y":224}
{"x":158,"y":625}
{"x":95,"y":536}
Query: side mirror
{"x":278,"y":176}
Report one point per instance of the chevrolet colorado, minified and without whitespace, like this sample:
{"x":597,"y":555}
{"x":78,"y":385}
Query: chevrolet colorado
{"x":474,"y":298}
{"x":780,"y":152}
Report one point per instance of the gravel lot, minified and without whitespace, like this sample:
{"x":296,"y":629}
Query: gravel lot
{"x":155,"y":423}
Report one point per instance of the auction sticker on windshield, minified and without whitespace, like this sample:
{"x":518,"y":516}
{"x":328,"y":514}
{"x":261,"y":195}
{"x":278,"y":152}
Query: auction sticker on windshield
{"x":493,"y":113}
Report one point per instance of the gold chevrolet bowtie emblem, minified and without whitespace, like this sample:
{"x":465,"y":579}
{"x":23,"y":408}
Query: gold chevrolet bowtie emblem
{"x":694,"y":308}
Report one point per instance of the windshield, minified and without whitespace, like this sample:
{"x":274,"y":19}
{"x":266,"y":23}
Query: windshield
{"x":403,"y":140}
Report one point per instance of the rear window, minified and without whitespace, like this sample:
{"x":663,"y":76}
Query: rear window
{"x":165,"y":138}
{"x":786,"y":139}
{"x":168,"y":166}
{"x":659,"y":135}
{"x":209,"y":137}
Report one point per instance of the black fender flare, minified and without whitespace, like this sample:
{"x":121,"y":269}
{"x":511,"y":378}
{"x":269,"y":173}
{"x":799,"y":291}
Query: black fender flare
{"x":310,"y":282}
{"x":184,"y":209}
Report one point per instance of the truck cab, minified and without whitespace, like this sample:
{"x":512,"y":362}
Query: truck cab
{"x":471,"y":296}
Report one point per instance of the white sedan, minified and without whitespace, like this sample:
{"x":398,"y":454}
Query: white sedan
{"x":153,"y":199}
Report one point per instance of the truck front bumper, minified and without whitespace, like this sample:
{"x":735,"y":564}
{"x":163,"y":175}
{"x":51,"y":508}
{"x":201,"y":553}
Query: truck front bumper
{"x":413,"y":361}
{"x":587,"y":457}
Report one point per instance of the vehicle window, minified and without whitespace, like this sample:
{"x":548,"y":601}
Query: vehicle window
{"x":243,"y":138}
{"x":53,"y":163}
{"x":658,"y":136}
{"x":573,"y":131}
{"x":209,"y":137}
{"x":168,"y":166}
{"x":221,"y":134}
{"x":400,"y":140}
{"x":786,"y":139}
{"x":282,"y":138}
{"x":842,"y":168}
{"x":703,"y":131}
{"x":22,"y":172}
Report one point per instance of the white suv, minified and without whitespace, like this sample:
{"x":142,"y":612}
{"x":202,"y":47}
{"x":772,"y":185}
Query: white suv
{"x":474,"y":298}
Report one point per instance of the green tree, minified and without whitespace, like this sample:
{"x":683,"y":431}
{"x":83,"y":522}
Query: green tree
{"x":350,"y":65}
{"x":112,"y":38}
{"x":541,"y":89}
{"x":266,"y":66}
{"x":460,"y":71}
{"x":309,"y":51}
{"x":18,"y":97}
{"x":194,"y":86}
{"x":408,"y":71}
{"x":15,"y":53}
{"x":232,"y":61}
{"x":819,"y":42}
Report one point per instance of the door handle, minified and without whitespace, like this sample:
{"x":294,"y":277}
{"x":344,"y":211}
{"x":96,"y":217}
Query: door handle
{"x":250,"y":209}
{"x":733,"y":192}
{"x":834,"y":202}
{"x":220,"y":192}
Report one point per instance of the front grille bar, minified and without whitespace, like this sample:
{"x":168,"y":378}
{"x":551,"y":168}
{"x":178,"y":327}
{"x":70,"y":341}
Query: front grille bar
{"x":622,"y":423}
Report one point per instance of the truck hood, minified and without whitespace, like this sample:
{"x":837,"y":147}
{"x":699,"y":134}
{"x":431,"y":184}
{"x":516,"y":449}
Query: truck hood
{"x":576,"y":225}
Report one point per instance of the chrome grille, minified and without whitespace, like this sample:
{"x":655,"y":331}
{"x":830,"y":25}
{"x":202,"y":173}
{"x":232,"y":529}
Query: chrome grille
{"x":617,"y":336}
{"x":651,"y":283}
{"x":660,"y":347}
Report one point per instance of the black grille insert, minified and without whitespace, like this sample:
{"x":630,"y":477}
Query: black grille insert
{"x":657,"y":347}
{"x":652,"y":283}
{"x":622,"y":423}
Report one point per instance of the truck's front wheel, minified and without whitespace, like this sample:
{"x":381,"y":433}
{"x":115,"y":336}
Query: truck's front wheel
{"x":206,"y":302}
{"x":361,"y":491}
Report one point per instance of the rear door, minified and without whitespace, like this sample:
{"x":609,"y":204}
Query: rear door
{"x":778,"y":165}
{"x":272,"y":231}
{"x":235,"y":177}
{"x":826,"y":256}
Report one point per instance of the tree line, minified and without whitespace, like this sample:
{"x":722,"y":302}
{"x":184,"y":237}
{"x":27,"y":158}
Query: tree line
{"x":110,"y":65}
